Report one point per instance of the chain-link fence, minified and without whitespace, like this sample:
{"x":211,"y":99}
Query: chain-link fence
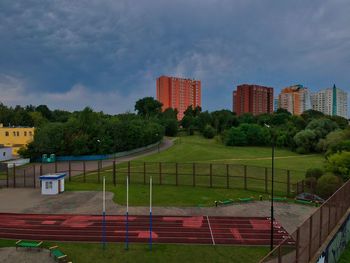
{"x":310,"y":235}
{"x":232,"y":176}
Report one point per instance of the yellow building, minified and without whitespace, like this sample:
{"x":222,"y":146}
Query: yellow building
{"x":15,"y":137}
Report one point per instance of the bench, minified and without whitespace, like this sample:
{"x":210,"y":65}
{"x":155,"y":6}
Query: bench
{"x":29,"y":244}
{"x":304,"y":202}
{"x":246,"y":200}
{"x":280,"y":199}
{"x":57,"y":254}
{"x":226,"y":202}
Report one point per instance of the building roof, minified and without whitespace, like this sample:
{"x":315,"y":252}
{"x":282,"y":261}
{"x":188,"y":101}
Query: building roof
{"x":55,"y":176}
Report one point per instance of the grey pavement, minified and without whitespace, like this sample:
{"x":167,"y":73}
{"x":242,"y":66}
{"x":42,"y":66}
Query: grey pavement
{"x":11,"y":255}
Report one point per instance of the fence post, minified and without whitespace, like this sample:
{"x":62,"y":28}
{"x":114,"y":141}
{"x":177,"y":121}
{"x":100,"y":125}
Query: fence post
{"x":303,"y":186}
{"x":321,"y":223}
{"x":176,"y":174}
{"x":56,"y":167}
{"x":129,"y":170}
{"x":41,"y":169}
{"x":98,"y":170}
{"x":160,"y":173}
{"x":211,"y":175}
{"x":288,"y":183}
{"x":297,"y":246}
{"x":310,"y":238}
{"x":14,"y":176}
{"x":144,"y":172}
{"x":227,"y":176}
{"x":279,"y":254}
{"x":266,"y":179}
{"x":7,"y":176}
{"x":34,"y":176}
{"x":70,"y":170}
{"x":24,"y":177}
{"x":114,"y":173}
{"x":84,"y":171}
{"x":329,"y":218}
{"x":194,"y":174}
{"x":245,"y":177}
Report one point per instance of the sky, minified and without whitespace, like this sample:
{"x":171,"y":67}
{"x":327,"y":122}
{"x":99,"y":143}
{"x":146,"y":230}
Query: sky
{"x":107,"y":54}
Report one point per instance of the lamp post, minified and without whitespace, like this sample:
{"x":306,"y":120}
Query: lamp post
{"x":158,"y":142}
{"x":272,"y":181}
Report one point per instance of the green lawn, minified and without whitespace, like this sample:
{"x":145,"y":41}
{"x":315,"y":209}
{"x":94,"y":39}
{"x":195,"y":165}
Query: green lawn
{"x":169,"y":195}
{"x":3,"y":176}
{"x":202,"y":151}
{"x":90,"y":252}
{"x":198,"y":149}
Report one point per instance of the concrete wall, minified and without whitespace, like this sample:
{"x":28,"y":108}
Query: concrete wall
{"x":337,"y":245}
{"x":5,"y":154}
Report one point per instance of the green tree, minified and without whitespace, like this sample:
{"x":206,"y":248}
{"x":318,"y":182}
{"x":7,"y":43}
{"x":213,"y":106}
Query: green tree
{"x":327,"y":185}
{"x":235,"y":137}
{"x":339,"y":164}
{"x":314,"y":172}
{"x":223,"y":119}
{"x":148,"y":107}
{"x":209,"y":132}
{"x":305,"y":141}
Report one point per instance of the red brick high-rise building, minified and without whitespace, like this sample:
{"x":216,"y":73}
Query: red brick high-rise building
{"x":253,"y":99}
{"x":178,"y":93}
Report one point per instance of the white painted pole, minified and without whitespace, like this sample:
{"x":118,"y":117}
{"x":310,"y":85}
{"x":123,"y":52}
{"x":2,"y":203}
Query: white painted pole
{"x":104,"y":213}
{"x":104,"y":195}
{"x":127,"y":194}
{"x":127,"y":215}
{"x":150,"y":213}
{"x":150,"y":196}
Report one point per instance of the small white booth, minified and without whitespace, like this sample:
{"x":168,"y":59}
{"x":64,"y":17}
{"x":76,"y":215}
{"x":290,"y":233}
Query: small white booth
{"x":52,"y":184}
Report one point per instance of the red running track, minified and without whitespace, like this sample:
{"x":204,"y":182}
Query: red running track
{"x":165,"y":229}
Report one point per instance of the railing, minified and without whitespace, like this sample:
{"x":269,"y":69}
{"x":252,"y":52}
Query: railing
{"x":210,"y":175}
{"x":310,"y":235}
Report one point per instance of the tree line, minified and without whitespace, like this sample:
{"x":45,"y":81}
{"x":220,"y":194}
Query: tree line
{"x":88,"y":132}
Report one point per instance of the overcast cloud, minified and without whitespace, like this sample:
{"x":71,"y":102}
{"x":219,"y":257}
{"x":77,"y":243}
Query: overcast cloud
{"x":106,"y":54}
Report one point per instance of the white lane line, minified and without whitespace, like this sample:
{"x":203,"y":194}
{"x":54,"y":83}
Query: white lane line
{"x":211,"y":232}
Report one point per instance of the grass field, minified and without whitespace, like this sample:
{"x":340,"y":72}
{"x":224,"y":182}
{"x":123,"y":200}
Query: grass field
{"x":202,"y":151}
{"x":90,"y":252}
{"x":3,"y":176}
{"x":198,"y":149}
{"x":168,"y":195}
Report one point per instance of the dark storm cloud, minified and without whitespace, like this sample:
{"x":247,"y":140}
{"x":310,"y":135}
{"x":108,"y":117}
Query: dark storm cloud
{"x":68,"y":53}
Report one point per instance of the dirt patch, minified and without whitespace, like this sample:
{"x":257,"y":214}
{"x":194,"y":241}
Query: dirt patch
{"x":11,"y":255}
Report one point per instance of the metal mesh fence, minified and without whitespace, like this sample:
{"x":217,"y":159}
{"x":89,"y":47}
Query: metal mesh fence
{"x":312,"y":233}
{"x":230,"y":176}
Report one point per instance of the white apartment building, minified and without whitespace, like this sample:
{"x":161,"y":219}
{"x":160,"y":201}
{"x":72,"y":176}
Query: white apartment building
{"x":331,"y":101}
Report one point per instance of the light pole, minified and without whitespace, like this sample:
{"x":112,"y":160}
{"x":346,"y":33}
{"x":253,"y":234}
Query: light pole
{"x":272,"y":181}
{"x":98,"y":147}
{"x":158,"y":142}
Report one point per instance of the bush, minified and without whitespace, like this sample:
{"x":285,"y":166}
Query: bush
{"x":327,"y":185}
{"x":209,"y":132}
{"x":235,"y":137}
{"x":314,"y":172}
{"x":171,"y":127}
{"x":339,"y":164}
{"x":190,"y":130}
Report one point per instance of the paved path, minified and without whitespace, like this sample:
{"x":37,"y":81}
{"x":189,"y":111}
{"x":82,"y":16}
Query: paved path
{"x":89,"y":202}
{"x":25,"y":175}
{"x":11,"y":255}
